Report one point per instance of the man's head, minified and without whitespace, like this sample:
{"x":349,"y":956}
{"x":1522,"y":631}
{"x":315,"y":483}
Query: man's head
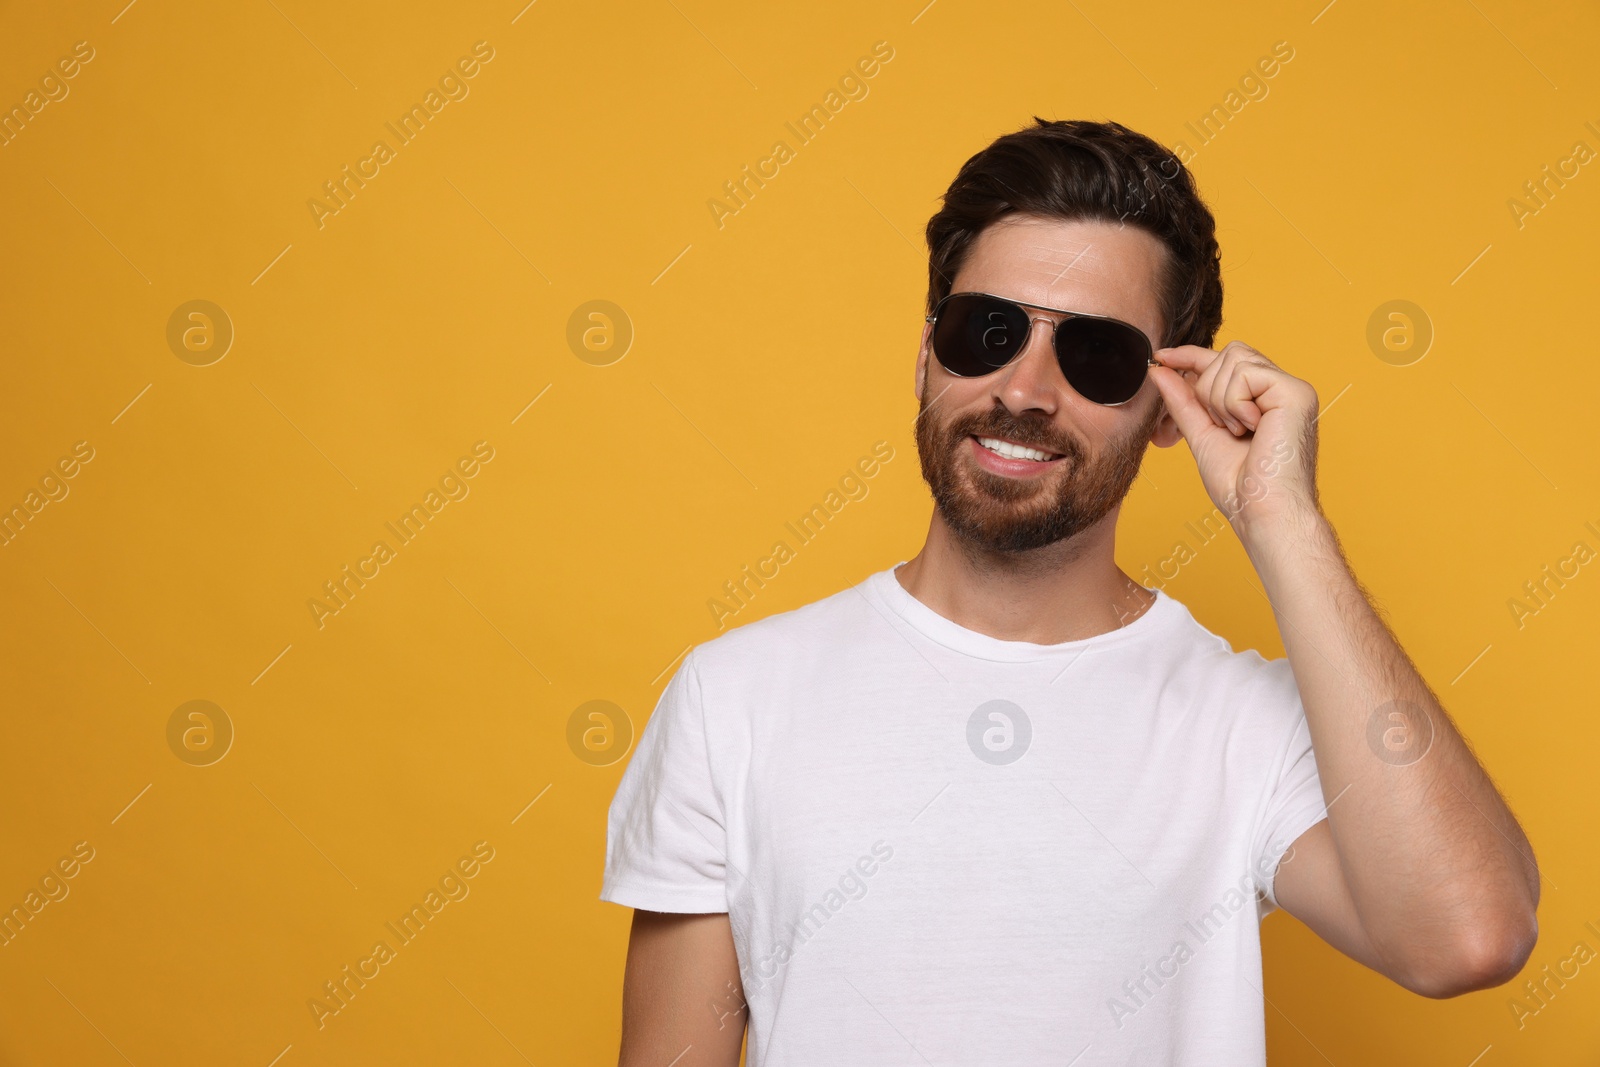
{"x":1080,"y":216}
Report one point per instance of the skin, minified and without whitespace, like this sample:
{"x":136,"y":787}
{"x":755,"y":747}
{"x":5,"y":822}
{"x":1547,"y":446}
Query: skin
{"x":682,"y":1000}
{"x":1420,"y":871}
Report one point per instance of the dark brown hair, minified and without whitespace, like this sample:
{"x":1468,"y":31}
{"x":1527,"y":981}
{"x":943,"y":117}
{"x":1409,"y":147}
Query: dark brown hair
{"x":1089,"y":170}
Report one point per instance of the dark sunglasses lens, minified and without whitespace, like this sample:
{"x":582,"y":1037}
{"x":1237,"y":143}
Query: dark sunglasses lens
{"x":1104,"y":361}
{"x":977,"y":335}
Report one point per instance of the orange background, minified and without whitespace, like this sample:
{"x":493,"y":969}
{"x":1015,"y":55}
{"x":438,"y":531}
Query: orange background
{"x":371,"y":353}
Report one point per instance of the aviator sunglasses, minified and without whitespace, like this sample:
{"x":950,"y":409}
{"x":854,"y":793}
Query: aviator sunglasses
{"x":1104,"y":359}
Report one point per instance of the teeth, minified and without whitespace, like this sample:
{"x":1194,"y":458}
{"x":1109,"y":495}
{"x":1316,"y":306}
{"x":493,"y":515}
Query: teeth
{"x":1011,"y":451}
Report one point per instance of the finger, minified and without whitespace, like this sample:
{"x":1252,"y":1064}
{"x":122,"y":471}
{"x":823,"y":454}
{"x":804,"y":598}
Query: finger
{"x":1211,"y":379}
{"x":1217,"y":393}
{"x":1244,"y":351}
{"x":1182,"y":404}
{"x":1238,"y":396}
{"x":1271,"y":388}
{"x":1230,"y":395}
{"x":1261,"y":388}
{"x":1186,"y":357}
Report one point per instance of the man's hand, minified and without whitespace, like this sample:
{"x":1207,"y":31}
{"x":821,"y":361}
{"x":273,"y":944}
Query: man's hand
{"x":1251,"y":428}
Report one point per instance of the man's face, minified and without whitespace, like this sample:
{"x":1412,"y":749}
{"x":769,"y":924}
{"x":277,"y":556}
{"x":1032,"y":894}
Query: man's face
{"x":1009,"y":505}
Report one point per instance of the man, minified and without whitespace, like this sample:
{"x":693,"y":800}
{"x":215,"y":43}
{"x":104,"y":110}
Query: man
{"x":1002,"y":804}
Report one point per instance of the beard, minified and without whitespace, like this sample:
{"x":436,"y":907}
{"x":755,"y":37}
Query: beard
{"x":1014,"y":515}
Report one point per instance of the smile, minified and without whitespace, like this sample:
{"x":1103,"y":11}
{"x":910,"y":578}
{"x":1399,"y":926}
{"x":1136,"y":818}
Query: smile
{"x":1011,"y":450}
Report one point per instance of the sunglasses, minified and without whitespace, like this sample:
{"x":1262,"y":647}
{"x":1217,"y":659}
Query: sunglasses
{"x":1104,"y":359}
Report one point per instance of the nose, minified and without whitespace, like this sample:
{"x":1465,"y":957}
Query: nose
{"x":1032,"y":381}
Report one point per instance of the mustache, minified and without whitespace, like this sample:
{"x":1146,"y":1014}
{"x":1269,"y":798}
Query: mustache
{"x":999,"y":423}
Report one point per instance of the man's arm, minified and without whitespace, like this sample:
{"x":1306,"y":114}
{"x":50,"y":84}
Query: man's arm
{"x":1420,"y":870}
{"x":682,"y":999}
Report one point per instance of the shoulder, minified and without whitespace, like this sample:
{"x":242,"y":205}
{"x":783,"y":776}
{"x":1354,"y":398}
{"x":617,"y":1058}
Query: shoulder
{"x":1243,"y":674}
{"x":802,"y":634}
{"x":759,"y":670}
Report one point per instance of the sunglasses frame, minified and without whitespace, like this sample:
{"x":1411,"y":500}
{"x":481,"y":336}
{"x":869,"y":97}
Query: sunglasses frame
{"x":932,"y":320}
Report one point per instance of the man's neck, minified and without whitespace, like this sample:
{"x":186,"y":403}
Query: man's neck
{"x":1067,"y":591}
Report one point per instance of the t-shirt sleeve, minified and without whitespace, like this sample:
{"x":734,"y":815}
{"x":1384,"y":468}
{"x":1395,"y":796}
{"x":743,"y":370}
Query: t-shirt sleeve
{"x":1293,"y":803}
{"x":666,"y":843}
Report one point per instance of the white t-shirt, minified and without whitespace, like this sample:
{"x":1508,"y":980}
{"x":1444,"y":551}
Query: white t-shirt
{"x":936,"y":846}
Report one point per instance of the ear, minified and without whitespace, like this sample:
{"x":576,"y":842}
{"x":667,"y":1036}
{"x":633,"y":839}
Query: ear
{"x":1166,"y":434}
{"x":924,"y":352}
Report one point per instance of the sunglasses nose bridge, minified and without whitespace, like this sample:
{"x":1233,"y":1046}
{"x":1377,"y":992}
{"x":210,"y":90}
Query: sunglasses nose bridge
{"x":1031,"y":340}
{"x":1035,"y":373}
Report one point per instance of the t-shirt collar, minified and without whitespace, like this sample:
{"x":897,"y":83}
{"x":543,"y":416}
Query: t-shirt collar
{"x":888,"y":591}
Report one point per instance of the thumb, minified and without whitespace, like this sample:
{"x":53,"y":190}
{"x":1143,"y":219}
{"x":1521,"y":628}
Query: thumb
{"x":1185,"y":407}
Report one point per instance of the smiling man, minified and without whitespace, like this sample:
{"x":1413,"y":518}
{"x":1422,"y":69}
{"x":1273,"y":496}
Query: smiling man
{"x":1002,"y":804}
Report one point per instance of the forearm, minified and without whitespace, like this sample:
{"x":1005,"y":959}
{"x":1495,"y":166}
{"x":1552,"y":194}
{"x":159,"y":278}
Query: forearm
{"x":1441,"y":876}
